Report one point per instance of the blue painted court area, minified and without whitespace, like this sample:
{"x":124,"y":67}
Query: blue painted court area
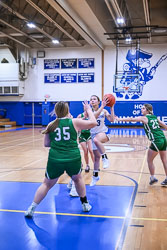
{"x":70,"y":228}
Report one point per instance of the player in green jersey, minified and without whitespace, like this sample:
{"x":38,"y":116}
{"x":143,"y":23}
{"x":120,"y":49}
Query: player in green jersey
{"x":85,"y":142}
{"x":64,"y":154}
{"x":84,"y":137}
{"x":154,"y":133}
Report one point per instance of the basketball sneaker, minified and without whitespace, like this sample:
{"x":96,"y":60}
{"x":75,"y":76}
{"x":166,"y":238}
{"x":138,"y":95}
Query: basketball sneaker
{"x":73,"y":191}
{"x":87,"y":168}
{"x":164,"y":183}
{"x":30,"y":212}
{"x":105,"y":163}
{"x":94,"y":180}
{"x":69,"y":185}
{"x":86,"y":207}
{"x":153,"y":181}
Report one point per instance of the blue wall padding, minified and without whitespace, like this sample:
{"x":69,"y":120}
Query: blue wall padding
{"x":15,"y":111}
{"x":21,"y":112}
{"x":76,"y":108}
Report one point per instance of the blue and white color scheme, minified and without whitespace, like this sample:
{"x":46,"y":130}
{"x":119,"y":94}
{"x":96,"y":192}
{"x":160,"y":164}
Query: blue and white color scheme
{"x":69,"y":63}
{"x":86,"y":63}
{"x":137,"y":72}
{"x":52,"y":78}
{"x":68,"y":78}
{"x":51,"y":63}
{"x":85,"y":77}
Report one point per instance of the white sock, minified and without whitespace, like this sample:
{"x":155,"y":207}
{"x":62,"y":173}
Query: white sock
{"x":152,"y":177}
{"x":34,"y":205}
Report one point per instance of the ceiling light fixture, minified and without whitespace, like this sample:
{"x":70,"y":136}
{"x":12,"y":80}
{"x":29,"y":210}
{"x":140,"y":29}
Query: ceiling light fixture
{"x":55,"y":41}
{"x":120,"y":20}
{"x":159,"y":30}
{"x":128,"y":39}
{"x":31,"y":25}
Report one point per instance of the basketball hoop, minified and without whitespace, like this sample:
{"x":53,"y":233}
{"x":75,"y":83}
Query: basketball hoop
{"x":126,"y":88}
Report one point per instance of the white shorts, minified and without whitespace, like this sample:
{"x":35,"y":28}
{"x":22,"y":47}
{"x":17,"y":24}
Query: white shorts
{"x":93,"y":136}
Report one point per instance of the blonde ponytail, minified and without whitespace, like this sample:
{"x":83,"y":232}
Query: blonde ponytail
{"x":61,"y":110}
{"x":51,"y":126}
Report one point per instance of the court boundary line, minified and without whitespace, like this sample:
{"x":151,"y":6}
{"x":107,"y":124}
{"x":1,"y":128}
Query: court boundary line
{"x":86,"y":215}
{"x":124,"y":228}
{"x":65,"y":214}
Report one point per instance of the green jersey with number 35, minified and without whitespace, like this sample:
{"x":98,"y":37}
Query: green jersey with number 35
{"x":64,"y":146}
{"x":152,"y":128}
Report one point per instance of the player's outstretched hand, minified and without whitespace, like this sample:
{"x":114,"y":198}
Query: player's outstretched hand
{"x":104,"y":102}
{"x":86,"y":105}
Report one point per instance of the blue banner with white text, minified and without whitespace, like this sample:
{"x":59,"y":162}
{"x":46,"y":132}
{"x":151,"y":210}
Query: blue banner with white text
{"x":133,"y":109}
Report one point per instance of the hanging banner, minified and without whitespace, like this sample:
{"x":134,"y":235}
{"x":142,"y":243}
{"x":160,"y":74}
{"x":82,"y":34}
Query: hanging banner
{"x":68,"y":78}
{"x":52,"y":78}
{"x":51,"y":63}
{"x":85,"y":77}
{"x":85,"y":63}
{"x":70,"y":63}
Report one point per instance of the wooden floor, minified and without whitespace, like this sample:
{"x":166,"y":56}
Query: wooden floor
{"x":23,"y":159}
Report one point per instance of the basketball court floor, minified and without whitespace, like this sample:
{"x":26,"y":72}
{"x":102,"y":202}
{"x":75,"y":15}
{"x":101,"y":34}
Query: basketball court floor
{"x":127,"y":213}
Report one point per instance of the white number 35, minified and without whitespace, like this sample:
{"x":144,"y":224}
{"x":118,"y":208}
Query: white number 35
{"x":65,"y":135}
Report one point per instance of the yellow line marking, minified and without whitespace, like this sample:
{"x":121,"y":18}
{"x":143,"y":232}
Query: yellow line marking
{"x":66,"y":214}
{"x":86,"y":215}
{"x":149,"y":219}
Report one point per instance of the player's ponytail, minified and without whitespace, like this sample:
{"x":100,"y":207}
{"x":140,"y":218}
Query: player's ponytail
{"x":61,"y":110}
{"x":51,"y":126}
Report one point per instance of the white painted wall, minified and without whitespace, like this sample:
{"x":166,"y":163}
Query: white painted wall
{"x":155,"y":89}
{"x":35,"y":89}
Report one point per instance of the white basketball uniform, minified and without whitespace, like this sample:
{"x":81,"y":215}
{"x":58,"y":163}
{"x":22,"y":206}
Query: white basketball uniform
{"x":100,"y":128}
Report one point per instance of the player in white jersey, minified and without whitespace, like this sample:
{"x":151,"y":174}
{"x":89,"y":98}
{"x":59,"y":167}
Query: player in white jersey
{"x":99,"y":135}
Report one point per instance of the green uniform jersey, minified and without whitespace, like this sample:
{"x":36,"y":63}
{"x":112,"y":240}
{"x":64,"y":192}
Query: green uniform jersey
{"x":155,"y":134}
{"x":152,"y":128}
{"x":84,"y":135}
{"x":64,"y":146}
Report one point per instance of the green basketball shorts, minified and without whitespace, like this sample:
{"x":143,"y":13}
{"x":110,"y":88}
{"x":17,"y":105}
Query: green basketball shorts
{"x":56,"y":169}
{"x":160,"y":145}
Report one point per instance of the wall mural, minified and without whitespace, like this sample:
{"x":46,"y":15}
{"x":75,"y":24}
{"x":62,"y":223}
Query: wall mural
{"x":137,"y":71}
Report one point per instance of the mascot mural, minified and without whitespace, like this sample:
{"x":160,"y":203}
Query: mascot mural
{"x":137,"y":71}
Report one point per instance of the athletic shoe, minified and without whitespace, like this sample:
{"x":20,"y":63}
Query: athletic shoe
{"x":30,"y":212}
{"x":164,"y":183}
{"x":73,"y":191}
{"x":105,"y":163}
{"x":153,"y":181}
{"x":86,"y":207}
{"x":94,"y":180}
{"x":87,"y":169}
{"x":69,"y":185}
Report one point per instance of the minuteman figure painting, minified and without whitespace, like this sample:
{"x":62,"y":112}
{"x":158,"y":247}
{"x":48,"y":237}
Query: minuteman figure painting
{"x":137,"y":71}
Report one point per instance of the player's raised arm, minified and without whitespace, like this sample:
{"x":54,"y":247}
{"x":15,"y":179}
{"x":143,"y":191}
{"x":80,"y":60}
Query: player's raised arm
{"x":80,"y":124}
{"x":133,"y":119}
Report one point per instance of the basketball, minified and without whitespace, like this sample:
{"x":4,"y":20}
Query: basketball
{"x":111,"y":99}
